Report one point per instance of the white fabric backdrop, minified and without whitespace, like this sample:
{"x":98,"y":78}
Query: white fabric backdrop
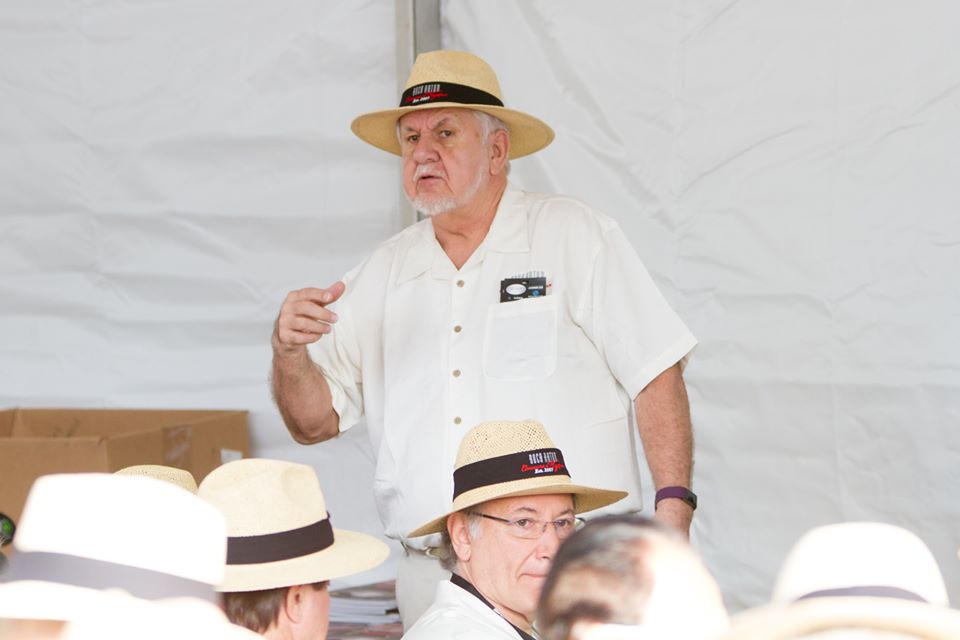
{"x":786,"y":170}
{"x":171,"y":169}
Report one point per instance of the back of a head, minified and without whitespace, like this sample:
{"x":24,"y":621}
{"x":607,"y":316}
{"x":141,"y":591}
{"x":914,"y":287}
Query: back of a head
{"x":630,"y":571}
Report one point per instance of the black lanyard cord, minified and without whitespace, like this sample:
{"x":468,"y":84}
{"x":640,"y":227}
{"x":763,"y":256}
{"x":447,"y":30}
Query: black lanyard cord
{"x":469,"y":588}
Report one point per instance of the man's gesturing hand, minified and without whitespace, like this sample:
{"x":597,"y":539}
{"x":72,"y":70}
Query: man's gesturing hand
{"x":304,"y":317}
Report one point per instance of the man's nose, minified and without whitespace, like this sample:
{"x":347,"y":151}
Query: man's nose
{"x":424,"y":149}
{"x":549,"y":542}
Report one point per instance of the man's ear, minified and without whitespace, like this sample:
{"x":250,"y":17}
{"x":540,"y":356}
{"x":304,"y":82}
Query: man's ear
{"x":460,"y":536}
{"x":293,"y":603}
{"x":499,"y":151}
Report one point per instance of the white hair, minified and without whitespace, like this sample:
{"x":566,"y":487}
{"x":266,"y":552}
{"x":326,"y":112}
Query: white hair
{"x":445,"y":552}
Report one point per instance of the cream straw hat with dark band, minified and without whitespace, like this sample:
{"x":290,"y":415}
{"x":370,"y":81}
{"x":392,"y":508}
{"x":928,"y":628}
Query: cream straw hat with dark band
{"x":507,"y":459}
{"x":854,"y":575}
{"x":278,"y":528}
{"x":453,"y":79}
{"x":179,"y":477}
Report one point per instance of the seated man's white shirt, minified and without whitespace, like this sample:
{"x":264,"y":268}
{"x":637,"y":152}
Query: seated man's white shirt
{"x":425,"y":352}
{"x":455,"y":613}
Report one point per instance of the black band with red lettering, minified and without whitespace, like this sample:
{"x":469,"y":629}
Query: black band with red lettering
{"x":537,"y":463}
{"x":447,"y":92}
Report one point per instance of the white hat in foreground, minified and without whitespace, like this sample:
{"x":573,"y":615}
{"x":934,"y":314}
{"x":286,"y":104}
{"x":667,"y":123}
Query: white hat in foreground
{"x":279,"y":529}
{"x":858,"y":575}
{"x":88,"y":535}
{"x":505,"y":459}
{"x":163,"y":620}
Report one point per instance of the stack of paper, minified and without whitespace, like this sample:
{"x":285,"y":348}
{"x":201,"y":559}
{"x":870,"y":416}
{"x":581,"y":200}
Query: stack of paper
{"x":371,"y":604}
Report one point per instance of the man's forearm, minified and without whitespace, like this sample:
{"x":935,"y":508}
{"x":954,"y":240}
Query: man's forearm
{"x":303,"y":397}
{"x":663,"y":418}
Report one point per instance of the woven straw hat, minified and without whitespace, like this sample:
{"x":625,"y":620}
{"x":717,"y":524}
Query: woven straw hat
{"x":279,"y":529}
{"x":453,"y":79}
{"x":507,"y":459}
{"x":862,"y":575}
{"x":87,"y":541}
{"x":173,"y":475}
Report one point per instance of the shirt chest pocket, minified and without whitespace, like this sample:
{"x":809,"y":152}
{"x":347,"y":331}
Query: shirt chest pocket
{"x":521,"y":339}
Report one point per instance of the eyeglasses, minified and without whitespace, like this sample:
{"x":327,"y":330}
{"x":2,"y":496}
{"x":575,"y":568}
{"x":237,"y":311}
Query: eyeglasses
{"x":531,"y":529}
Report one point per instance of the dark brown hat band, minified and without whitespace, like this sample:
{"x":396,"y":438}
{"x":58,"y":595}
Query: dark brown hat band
{"x":447,"y":92}
{"x":283,"y":545}
{"x":538,"y":463}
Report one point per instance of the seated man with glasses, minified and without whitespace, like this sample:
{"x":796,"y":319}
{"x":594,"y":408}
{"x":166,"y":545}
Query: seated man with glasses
{"x":513,"y":504}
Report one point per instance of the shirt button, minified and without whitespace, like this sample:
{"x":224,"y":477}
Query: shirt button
{"x":460,"y":283}
{"x":457,"y":420}
{"x":456,"y":373}
{"x":457,"y":329}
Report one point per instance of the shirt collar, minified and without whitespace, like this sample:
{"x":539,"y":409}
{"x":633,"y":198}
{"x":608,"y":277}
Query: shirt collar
{"x":507,"y":234}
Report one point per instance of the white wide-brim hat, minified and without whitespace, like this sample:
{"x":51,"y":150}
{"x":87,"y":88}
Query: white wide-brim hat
{"x":163,"y":620}
{"x":863,"y":575}
{"x":443,"y":79}
{"x":507,"y":459}
{"x":177,"y":477}
{"x":279,"y":531}
{"x":86,"y":537}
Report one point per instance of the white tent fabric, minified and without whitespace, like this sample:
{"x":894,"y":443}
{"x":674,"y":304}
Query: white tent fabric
{"x":170,"y":170}
{"x":786,"y":170}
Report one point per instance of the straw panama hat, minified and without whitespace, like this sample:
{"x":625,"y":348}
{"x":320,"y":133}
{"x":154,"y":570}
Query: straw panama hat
{"x":87,"y":541}
{"x":441,"y":79}
{"x":506,"y":459}
{"x":178,"y":477}
{"x":864,"y":575}
{"x":279,"y":529}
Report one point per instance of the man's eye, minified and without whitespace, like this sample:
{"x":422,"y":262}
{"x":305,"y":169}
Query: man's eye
{"x":563,"y":523}
{"x":412,"y":138}
{"x":446,"y":133}
{"x":523,"y":523}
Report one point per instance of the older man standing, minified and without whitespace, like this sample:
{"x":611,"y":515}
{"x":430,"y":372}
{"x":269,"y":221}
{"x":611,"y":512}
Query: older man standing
{"x":500,"y":303}
{"x":513,"y":503}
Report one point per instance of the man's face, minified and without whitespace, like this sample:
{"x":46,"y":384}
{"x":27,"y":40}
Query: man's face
{"x":510,"y":571}
{"x":445,"y":159}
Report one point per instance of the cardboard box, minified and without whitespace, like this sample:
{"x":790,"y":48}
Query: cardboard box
{"x":35,"y":442}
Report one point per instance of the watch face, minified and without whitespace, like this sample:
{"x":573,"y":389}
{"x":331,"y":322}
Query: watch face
{"x":7,"y":529}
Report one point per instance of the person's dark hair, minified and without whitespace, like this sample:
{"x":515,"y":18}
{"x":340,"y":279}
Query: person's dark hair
{"x":258,"y":610}
{"x":600,"y":574}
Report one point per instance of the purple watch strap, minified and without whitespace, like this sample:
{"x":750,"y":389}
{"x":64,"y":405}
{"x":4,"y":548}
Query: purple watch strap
{"x":681,"y":493}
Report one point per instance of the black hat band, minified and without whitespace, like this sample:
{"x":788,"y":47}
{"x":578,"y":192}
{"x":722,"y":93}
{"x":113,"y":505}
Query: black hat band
{"x":428,"y":92}
{"x":538,"y":463}
{"x":283,"y":545}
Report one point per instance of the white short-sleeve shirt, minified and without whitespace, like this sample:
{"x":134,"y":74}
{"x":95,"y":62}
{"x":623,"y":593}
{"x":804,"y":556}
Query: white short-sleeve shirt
{"x":456,"y":613}
{"x":425,"y":351}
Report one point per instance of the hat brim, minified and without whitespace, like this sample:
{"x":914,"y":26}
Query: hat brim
{"x":821,"y":614}
{"x":42,"y":600}
{"x":584,"y":498}
{"x":350,"y":553}
{"x":160,"y":619}
{"x":527,"y":133}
